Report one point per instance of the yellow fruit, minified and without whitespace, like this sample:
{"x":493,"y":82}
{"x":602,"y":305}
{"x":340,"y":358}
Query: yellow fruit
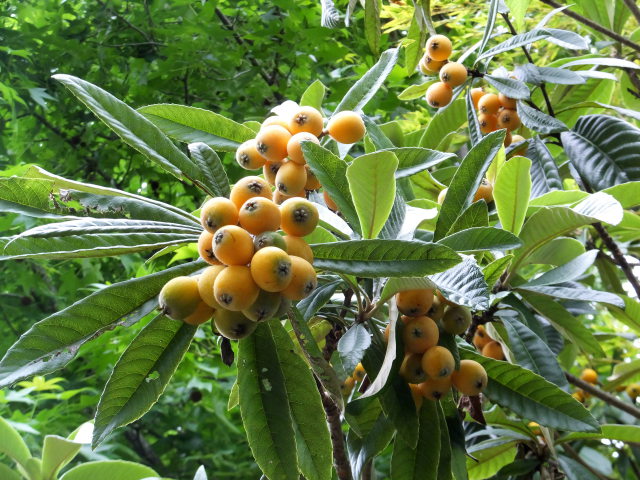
{"x":299,"y":247}
{"x":476,"y":94}
{"x":437,"y":309}
{"x":493,"y":350}
{"x":506,"y":102}
{"x":435,"y":388}
{"x":438,"y":362}
{"x":233,"y":325}
{"x":579,"y":396}
{"x":306,"y":119}
{"x":429,"y":66}
{"x":347,"y":386}
{"x":411,"y":369}
{"x":508,"y":119}
{"x":534,"y":427}
{"x":489,"y":104}
{"x":416,"y":393}
{"x":312,"y":181}
{"x":453,"y":74}
{"x":633,"y":390}
{"x":233,"y":245}
{"x":205,"y":285}
{"x":271,"y":269}
{"x":299,"y":217}
{"x":218,"y":212}
{"x":294,"y":147}
{"x":359,"y":373}
{"x":439,"y":95}
{"x":276,"y":120}
{"x":270,"y":170}
{"x":269,"y":239}
{"x":470,"y":379}
{"x":438,"y":47}
{"x":420,"y":334}
{"x":415,"y":303}
{"x":201,"y":314}
{"x":179,"y":297}
{"x":303,"y":281}
{"x":265,"y":307}
{"x":331,"y":205}
{"x":346,"y":127}
{"x":271,"y":143}
{"x":291,"y":178}
{"x":246,"y":188}
{"x":456,"y":320}
{"x":484,"y":192}
{"x":589,"y":375}
{"x":234,"y":288}
{"x":259,"y":215}
{"x":481,"y":338}
{"x":205,"y":248}
{"x":488,"y":123}
{"x":248,"y":157}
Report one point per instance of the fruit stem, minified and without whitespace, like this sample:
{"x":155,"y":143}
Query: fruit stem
{"x":607,"y":397}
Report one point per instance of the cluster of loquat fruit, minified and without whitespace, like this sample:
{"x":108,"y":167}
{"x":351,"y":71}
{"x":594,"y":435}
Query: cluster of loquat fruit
{"x":589,"y":375}
{"x":486,"y":345}
{"x":495,"y":112}
{"x":436,"y":61}
{"x":256,"y":272}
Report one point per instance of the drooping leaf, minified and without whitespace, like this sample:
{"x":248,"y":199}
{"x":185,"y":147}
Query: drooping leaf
{"x":531,"y":396}
{"x":383,"y":258}
{"x":530,"y":73}
{"x":565,"y":273}
{"x":314,"y":95}
{"x":466,"y":181}
{"x":207,"y":159}
{"x":109,"y":470}
{"x":622,"y":433}
{"x":495,"y":269}
{"x":51,"y":343}
{"x":141,"y":374}
{"x":539,"y":121}
{"x":491,"y":21}
{"x":509,"y":86}
{"x":604,"y":150}
{"x":464,"y":284}
{"x":511,"y":193}
{"x":481,"y":238}
{"x":544,"y":172}
{"x":474,"y":216}
{"x":475,"y":134}
{"x":190,"y":124}
{"x":412,"y":160}
{"x":490,"y":458}
{"x":372,"y":185}
{"x":372,"y":24}
{"x":444,"y":123}
{"x":12,"y":445}
{"x":361,"y":450}
{"x":576,"y":293}
{"x":352,"y":346}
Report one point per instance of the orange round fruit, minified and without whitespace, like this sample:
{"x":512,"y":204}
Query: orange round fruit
{"x":346,"y":127}
{"x":246,"y":188}
{"x":205,"y":248}
{"x":589,"y":375}
{"x":271,"y":269}
{"x":411,"y":369}
{"x":275,"y":120}
{"x":415,"y":303}
{"x":264,"y":308}
{"x":456,"y":319}
{"x":248,"y":157}
{"x":476,"y":94}
{"x":299,"y":217}
{"x":420,"y":334}
{"x":205,"y":285}
{"x":506,"y":102}
{"x":299,"y":247}
{"x":508,"y":119}
{"x":429,"y":66}
{"x":269,"y":239}
{"x":438,"y":47}
{"x":294,"y":147}
{"x":439,"y":95}
{"x":259,"y":215}
{"x":331,"y":205}
{"x":484,"y":192}
{"x":481,"y":338}
{"x":493,"y":350}
{"x":233,"y":245}
{"x":453,"y":74}
{"x":312,"y":181}
{"x":270,"y":170}
{"x":435,"y":388}
{"x":489,"y":104}
{"x":470,"y":379}
{"x":359,"y":373}
{"x":233,"y":325}
{"x":306,"y":119}
{"x":438,"y":362}
{"x":271,"y":143}
{"x":291,"y":178}
{"x":217,"y":212}
{"x":303,"y":280}
{"x":179,"y":297}
{"x":488,"y":123}
{"x":347,"y":386}
{"x":234,"y":288}
{"x":201,"y":314}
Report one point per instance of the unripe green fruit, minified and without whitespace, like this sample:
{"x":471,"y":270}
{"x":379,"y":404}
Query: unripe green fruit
{"x":264,"y":308}
{"x":456,"y":319}
{"x":179,"y":298}
{"x":269,"y":239}
{"x":233,"y":325}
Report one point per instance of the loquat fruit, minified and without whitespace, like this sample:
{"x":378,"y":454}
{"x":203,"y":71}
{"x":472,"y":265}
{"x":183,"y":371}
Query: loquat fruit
{"x":299,"y":247}
{"x":275,"y":120}
{"x":294,"y":147}
{"x":481,"y":337}
{"x":415,"y":303}
{"x":312,"y":181}
{"x":493,"y":350}
{"x":218,"y":212}
{"x":271,"y":143}
{"x":299,"y":217}
{"x":179,"y":297}
{"x":246,"y":188}
{"x":264,"y":308}
{"x":285,"y":305}
{"x":259,"y":215}
{"x":429,"y":66}
{"x":476,"y":94}
{"x":248,"y":157}
{"x":417,"y":396}
{"x":201,"y":314}
{"x":437,"y":309}
{"x":205,"y":285}
{"x":346,"y":127}
{"x":535,"y":428}
{"x":291,"y":178}
{"x":589,"y":375}
{"x":438,"y":362}
{"x":633,"y":390}
{"x":508,"y":119}
{"x":233,"y":245}
{"x":579,"y":396}
{"x":303,"y":280}
{"x":269,"y":239}
{"x":453,"y":74}
{"x":489,"y":104}
{"x":488,"y":123}
{"x":233,"y":325}
{"x":205,"y":248}
{"x":306,"y":119}
{"x":347,"y":386}
{"x":438,"y":47}
{"x":234,"y":288}
{"x":411,"y":369}
{"x":420,"y":334}
{"x":484,"y":192}
{"x":456,"y":319}
{"x":359,"y":372}
{"x":506,"y":102}
{"x":470,"y":379}
{"x":270,"y":170}
{"x":435,"y":388}
{"x":439,"y":95}
{"x":331,"y":205}
{"x":271,"y":269}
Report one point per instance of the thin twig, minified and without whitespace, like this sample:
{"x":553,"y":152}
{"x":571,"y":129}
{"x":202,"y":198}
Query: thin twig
{"x":607,"y":397}
{"x":633,"y":8}
{"x":621,"y":261}
{"x":597,"y":27}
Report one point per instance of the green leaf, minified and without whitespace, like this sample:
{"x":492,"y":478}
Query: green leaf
{"x":134,"y":129}
{"x":556,"y":252}
{"x":495,"y":269}
{"x":518,"y":9}
{"x":416,"y":38}
{"x":97,"y":238}
{"x":419,"y":463}
{"x":532,"y":352}
{"x":466,"y":181}
{"x":361,"y":450}
{"x":622,"y":433}
{"x":314,"y":95}
{"x":604,"y":62}
{"x":412,"y":160}
{"x":8,"y":473}
{"x":445,"y":463}
{"x":141,"y":374}
{"x":490,"y":459}
{"x":539,"y":121}
{"x":376,"y":135}
{"x":51,"y":343}
{"x":604,"y":150}
{"x":628,"y":194}
{"x":310,"y":305}
{"x":365,"y":88}
{"x":444,"y":123}
{"x":567,"y":272}
{"x":392,"y":228}
{"x":630,"y":316}
{"x":481,"y":238}
{"x":475,"y":134}
{"x":214,"y":174}
{"x":531,"y":396}
{"x":109,"y":470}
{"x":476,"y":215}
{"x":56,"y":453}
{"x":383,"y":258}
{"x":494,"y":6}
{"x":464,"y":284}
{"x":568,"y":325}
{"x":352,"y":346}
{"x":530,"y":73}
{"x":372,"y":24}
{"x":525,"y":39}
{"x":264,"y":405}
{"x":544,"y":172}
{"x":551,"y":222}
{"x":372,"y":185}
{"x":191,"y":124}
{"x":511,"y":193}
{"x":511,"y":87}
{"x":416,"y":91}
{"x":332,"y":174}
{"x":12,"y":445}
{"x":577,"y":293}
